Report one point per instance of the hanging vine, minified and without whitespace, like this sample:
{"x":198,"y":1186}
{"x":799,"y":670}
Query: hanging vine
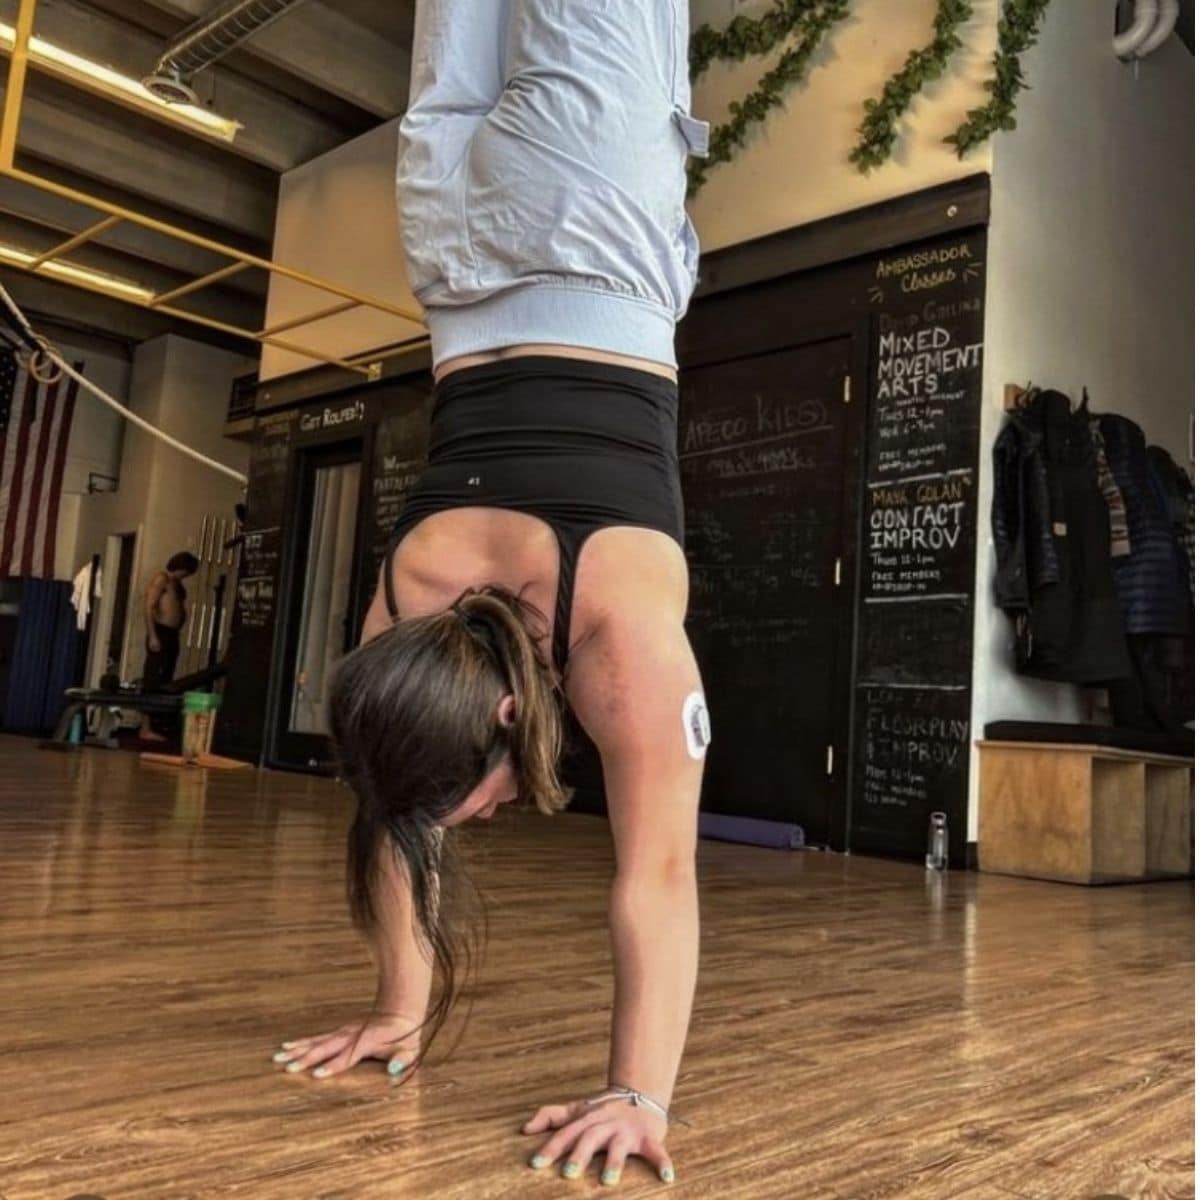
{"x":878,"y":131}
{"x":810,"y":20}
{"x":1019,"y":21}
{"x":744,"y":35}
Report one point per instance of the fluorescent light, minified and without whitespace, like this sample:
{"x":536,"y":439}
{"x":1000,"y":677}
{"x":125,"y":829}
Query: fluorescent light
{"x":119,"y":87}
{"x":97,"y":280}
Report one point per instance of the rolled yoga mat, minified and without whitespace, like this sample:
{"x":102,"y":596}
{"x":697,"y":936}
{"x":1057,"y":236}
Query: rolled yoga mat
{"x":751,"y":831}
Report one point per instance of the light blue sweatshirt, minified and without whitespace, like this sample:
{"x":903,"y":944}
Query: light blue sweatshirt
{"x":541,"y":174}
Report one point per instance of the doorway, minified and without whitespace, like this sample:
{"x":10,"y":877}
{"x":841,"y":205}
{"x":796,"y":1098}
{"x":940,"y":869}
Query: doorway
{"x":321,"y":622}
{"x":110,"y":625}
{"x":765,"y":452}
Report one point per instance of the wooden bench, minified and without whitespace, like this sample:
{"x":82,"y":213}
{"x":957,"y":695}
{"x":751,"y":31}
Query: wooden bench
{"x":1081,"y":813}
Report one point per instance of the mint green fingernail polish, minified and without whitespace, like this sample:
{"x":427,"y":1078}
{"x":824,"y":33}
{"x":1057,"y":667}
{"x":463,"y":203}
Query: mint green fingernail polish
{"x":538,"y":1161}
{"x":320,"y":1072}
{"x":394,"y":1068}
{"x":282,"y":1056}
{"x":572,"y":1171}
{"x":611,"y":1176}
{"x":295,"y":1066}
{"x":667,"y":1174}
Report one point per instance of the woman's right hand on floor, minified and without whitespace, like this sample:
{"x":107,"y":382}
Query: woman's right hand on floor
{"x":391,"y":1037}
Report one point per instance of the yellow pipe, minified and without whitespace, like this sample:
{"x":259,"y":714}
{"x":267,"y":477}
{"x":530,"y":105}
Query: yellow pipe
{"x":184,"y":235}
{"x":78,"y":240}
{"x":196,"y":284}
{"x":248,"y":334}
{"x":15,"y":88}
{"x":376,"y":355}
{"x":251,"y":336}
{"x":320,"y":315}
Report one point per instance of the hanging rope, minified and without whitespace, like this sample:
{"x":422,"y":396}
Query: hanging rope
{"x":43,"y":361}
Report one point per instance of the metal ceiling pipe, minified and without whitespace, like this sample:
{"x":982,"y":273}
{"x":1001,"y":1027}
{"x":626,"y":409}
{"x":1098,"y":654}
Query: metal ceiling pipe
{"x":1145,"y":17}
{"x":208,"y":39}
{"x":1168,"y":15}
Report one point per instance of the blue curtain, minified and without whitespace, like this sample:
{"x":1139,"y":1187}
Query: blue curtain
{"x":44,"y":657}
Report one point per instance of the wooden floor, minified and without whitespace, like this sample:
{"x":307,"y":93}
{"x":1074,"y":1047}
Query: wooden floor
{"x":860,"y":1031}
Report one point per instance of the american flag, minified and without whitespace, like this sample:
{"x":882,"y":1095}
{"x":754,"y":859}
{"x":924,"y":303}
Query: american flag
{"x":35,"y":424}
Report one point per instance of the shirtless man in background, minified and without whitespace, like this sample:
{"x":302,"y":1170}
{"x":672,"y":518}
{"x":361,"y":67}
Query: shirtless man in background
{"x":165,"y":611}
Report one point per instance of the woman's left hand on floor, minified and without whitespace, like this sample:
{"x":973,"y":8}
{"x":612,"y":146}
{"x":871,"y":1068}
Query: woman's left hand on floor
{"x":616,"y":1129}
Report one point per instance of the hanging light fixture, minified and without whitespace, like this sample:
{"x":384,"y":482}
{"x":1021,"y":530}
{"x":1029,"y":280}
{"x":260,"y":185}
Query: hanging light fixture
{"x":122,"y":88}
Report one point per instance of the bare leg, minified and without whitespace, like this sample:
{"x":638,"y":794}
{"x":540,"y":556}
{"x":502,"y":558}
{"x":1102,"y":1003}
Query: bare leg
{"x":146,"y":732}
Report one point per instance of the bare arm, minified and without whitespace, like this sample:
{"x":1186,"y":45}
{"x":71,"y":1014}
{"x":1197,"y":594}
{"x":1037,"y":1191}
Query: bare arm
{"x":628,"y":685}
{"x":405,"y":970}
{"x":390,"y":1031}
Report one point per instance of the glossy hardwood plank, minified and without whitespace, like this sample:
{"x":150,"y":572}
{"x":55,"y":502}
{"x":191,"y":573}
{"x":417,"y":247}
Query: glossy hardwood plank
{"x":861,"y":1031}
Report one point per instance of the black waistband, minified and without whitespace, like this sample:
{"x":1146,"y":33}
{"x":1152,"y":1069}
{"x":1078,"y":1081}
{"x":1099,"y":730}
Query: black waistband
{"x":541,"y":405}
{"x":549,"y":367}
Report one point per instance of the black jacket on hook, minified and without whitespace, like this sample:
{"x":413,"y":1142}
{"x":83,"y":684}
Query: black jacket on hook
{"x":1050,"y":525}
{"x":1152,"y":581}
{"x":1025,"y":557}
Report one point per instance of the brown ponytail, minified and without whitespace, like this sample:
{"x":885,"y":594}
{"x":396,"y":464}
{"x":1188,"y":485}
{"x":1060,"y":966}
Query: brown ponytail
{"x":537,"y":736}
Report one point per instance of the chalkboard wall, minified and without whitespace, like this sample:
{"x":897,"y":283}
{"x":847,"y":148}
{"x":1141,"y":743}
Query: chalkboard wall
{"x":241,"y":724}
{"x":392,"y":422}
{"x":916,"y":611}
{"x":401,"y":439}
{"x":898,"y":739}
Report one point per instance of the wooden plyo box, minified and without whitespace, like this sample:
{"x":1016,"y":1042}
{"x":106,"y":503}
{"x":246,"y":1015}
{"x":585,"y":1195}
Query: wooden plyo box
{"x":1083,"y":814}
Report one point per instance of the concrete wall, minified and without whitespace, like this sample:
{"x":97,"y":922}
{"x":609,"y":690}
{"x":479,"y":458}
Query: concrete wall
{"x":1090,"y":274}
{"x":94,"y":445}
{"x":337,"y":220}
{"x":182,"y":387}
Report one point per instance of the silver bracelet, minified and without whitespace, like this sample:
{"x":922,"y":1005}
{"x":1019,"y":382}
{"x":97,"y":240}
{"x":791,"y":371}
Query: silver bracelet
{"x":637,"y":1099}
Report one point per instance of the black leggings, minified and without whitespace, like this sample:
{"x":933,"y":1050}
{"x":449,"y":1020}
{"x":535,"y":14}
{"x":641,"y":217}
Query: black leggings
{"x":160,"y":664}
{"x":580,"y":445}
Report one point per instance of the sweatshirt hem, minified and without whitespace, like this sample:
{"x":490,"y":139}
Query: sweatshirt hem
{"x":554,"y":314}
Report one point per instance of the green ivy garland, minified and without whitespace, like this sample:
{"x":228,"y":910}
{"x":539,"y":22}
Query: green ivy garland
{"x":878,"y":130}
{"x":745,"y":35}
{"x":810,"y":19}
{"x":1019,"y":21}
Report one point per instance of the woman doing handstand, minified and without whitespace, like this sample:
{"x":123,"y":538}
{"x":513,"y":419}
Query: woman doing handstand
{"x":541,"y":187}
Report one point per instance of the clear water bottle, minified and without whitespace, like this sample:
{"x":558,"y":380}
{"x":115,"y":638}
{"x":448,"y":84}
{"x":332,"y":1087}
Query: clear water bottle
{"x":937,"y":855}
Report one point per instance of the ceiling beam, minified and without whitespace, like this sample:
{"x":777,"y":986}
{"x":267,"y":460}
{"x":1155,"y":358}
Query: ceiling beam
{"x":277,"y":132}
{"x":163,"y":27}
{"x":174,"y":171}
{"x":318,"y":44}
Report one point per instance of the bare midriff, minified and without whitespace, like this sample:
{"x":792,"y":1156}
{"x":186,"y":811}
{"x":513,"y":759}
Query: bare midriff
{"x":578,"y":352}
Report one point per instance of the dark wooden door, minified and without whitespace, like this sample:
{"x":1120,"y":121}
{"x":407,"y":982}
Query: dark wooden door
{"x":764,"y":460}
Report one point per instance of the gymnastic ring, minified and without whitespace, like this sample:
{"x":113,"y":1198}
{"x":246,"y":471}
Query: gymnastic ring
{"x":41,"y":365}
